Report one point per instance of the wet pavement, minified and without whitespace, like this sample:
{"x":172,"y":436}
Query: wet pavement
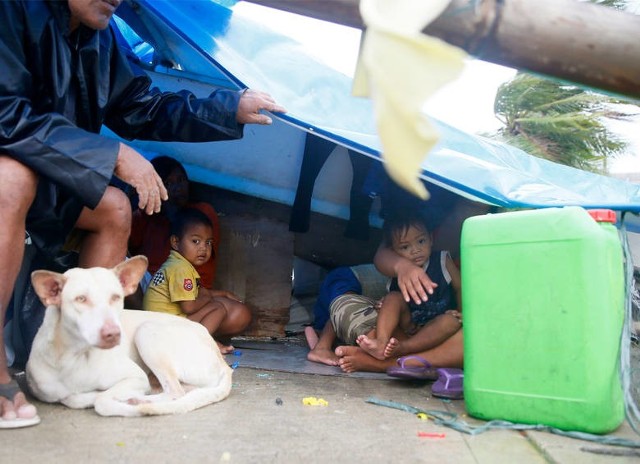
{"x":264,"y":420}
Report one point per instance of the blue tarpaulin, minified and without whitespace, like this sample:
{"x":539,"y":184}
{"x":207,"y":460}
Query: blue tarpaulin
{"x":212,"y":43}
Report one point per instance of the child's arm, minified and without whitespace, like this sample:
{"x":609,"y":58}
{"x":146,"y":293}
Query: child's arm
{"x":220,"y":293}
{"x":414,"y":283}
{"x":192,"y":306}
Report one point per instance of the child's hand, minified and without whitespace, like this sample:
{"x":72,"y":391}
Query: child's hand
{"x":414,"y":283}
{"x":224,"y":294}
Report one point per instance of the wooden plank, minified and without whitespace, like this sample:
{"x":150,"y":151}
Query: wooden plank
{"x":255,"y":260}
{"x":324,"y":244}
{"x":583,"y":43}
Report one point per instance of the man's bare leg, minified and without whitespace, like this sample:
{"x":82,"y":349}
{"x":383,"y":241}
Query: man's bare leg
{"x":108,"y":227}
{"x":17,"y":191}
{"x":355,"y":359}
{"x":322,"y":352}
{"x":311,"y":336}
{"x":447,"y":354}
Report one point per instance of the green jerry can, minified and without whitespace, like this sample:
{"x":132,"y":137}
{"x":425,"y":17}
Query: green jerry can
{"x":543,"y":303}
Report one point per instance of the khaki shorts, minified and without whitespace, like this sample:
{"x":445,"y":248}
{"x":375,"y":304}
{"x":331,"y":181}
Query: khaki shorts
{"x":353,"y":315}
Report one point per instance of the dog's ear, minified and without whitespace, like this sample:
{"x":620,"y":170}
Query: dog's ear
{"x":48,"y":286}
{"x":130,"y":272}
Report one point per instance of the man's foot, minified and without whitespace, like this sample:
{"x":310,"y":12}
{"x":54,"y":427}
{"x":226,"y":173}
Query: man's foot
{"x":355,"y":359}
{"x":323,"y":355}
{"x":15,"y":410}
{"x":372,"y":346}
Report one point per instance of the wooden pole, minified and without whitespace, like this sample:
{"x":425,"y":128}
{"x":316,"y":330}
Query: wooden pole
{"x":583,"y":43}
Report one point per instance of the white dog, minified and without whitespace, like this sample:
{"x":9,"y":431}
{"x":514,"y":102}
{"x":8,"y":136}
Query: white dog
{"x":90,"y":351}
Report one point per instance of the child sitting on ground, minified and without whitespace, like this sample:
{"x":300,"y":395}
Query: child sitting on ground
{"x":354,"y":289}
{"x":175,"y":287}
{"x":422,"y":324}
{"x":404,"y":328}
{"x":150,"y":233}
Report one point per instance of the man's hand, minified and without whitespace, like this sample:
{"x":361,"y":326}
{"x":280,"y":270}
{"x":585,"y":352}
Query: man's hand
{"x":136,"y":171}
{"x":250,"y":105}
{"x":414,"y":283}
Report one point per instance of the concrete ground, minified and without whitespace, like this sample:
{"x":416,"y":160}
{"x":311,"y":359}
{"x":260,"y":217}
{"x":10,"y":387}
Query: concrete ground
{"x":264,"y":421}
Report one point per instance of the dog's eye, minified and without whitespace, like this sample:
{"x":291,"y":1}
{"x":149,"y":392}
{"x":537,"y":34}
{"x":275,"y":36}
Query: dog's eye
{"x":81,"y":299}
{"x":115,"y":298}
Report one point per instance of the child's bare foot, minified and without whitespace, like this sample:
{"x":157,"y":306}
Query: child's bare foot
{"x":355,"y":359}
{"x":372,"y":346}
{"x":311,"y":336}
{"x":225,"y":349}
{"x":323,"y":355}
{"x":391,"y":347}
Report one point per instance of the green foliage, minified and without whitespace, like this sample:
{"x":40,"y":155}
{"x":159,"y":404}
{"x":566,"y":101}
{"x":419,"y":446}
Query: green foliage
{"x":618,"y":4}
{"x":557,"y":121}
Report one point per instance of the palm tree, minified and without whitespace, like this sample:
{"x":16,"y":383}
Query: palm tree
{"x":618,"y":4}
{"x":558,"y":121}
{"x":561,"y":122}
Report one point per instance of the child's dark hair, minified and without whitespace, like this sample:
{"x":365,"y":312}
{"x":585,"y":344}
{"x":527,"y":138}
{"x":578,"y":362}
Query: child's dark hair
{"x":188,"y":217}
{"x":397,"y":224}
{"x":165,"y":165}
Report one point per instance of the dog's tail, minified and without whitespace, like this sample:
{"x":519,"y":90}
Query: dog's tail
{"x":193,"y":399}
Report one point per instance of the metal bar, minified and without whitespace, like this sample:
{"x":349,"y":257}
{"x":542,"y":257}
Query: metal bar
{"x":583,"y":43}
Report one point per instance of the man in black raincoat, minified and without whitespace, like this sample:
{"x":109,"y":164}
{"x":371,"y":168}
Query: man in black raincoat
{"x":62,"y":77}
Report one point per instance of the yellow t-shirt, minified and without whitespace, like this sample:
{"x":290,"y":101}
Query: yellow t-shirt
{"x":176,"y":280}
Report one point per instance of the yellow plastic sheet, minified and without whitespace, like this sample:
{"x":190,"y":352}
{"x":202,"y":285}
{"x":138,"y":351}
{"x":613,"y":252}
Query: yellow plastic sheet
{"x":399,"y":68}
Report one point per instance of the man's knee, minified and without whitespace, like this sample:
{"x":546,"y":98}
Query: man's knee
{"x":18,"y":185}
{"x":115,"y":210}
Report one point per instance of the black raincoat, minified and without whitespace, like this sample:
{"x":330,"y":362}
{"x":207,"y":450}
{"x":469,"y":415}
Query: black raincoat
{"x":58,"y":88}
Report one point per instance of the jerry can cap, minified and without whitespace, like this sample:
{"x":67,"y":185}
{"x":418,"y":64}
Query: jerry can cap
{"x":603,"y":215}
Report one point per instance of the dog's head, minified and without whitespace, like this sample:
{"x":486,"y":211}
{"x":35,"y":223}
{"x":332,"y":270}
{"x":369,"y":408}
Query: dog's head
{"x":89,"y":300}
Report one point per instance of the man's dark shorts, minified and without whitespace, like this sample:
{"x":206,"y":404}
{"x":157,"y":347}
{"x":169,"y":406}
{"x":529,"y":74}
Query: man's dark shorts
{"x":51,"y":217}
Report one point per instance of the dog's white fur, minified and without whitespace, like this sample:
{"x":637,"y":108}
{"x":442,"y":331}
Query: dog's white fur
{"x":90,"y":352}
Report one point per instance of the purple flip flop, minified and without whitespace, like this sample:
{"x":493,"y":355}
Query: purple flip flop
{"x":422,"y":372}
{"x":449,"y":384}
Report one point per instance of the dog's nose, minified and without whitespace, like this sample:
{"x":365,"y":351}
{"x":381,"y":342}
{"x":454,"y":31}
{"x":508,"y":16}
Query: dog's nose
{"x":109,"y":335}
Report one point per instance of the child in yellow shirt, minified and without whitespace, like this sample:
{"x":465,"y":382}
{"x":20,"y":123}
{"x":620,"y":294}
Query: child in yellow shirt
{"x":175,"y":287}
